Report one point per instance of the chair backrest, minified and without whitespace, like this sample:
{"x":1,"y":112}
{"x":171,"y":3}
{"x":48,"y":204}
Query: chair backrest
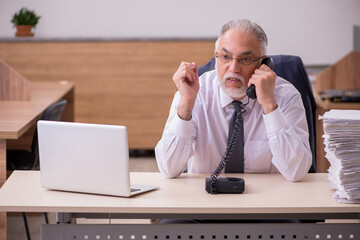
{"x":52,"y":113}
{"x":292,"y":69}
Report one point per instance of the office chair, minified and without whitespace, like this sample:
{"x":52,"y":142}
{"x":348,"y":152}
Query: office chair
{"x":292,"y":69}
{"x":29,"y":160}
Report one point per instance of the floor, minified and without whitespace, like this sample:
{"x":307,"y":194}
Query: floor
{"x":15,"y":223}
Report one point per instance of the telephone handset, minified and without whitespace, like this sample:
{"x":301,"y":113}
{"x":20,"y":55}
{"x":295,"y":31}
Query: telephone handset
{"x":250,"y":91}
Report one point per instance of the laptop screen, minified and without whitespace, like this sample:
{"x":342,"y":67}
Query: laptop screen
{"x":81,"y":157}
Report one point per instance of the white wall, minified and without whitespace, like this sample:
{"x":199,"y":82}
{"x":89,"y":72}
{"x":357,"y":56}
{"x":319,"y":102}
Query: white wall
{"x":320,"y":31}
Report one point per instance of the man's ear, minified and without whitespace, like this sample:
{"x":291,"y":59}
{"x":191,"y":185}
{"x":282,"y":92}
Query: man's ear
{"x":215,"y":57}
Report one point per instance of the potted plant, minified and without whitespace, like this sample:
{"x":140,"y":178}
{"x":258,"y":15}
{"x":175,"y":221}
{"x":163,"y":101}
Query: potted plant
{"x":24,"y":20}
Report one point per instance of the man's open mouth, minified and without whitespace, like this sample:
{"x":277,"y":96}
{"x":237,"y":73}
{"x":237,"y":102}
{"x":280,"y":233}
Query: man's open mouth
{"x":233,"y":79}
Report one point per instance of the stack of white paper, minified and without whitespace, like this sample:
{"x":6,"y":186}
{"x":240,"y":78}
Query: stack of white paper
{"x":342,"y":147}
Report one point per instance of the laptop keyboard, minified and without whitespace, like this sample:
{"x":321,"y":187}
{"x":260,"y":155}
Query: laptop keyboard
{"x":134,"y":189}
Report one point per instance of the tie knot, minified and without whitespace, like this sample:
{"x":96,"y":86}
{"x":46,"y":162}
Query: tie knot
{"x":237,"y":106}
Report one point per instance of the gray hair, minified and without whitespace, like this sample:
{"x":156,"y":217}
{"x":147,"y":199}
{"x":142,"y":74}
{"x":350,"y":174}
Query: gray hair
{"x":246,"y":26}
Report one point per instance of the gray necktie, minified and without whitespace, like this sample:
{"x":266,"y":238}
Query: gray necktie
{"x":235,"y":163}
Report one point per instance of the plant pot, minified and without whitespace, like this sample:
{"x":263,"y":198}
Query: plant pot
{"x":24,"y":31}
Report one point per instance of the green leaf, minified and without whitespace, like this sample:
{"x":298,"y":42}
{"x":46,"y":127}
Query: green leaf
{"x":25,"y":17}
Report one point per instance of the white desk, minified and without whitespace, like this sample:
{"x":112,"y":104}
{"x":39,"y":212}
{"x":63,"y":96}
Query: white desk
{"x":266,"y":196}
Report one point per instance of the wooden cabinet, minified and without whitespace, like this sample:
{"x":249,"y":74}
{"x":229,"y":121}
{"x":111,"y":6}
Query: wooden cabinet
{"x":117,"y":82}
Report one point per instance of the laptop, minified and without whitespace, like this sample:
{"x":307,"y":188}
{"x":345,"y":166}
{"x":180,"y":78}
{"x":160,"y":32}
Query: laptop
{"x":87,"y":158}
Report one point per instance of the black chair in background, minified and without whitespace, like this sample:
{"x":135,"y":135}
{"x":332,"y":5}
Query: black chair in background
{"x":293,"y":70}
{"x":29,"y":160}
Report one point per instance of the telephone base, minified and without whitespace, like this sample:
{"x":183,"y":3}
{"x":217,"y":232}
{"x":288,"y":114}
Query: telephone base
{"x":226,"y":185}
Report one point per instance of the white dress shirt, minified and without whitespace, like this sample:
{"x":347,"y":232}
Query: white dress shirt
{"x":276,"y":142}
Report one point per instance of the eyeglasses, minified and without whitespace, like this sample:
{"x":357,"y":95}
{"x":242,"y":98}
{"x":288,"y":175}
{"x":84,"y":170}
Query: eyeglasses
{"x":246,"y":61}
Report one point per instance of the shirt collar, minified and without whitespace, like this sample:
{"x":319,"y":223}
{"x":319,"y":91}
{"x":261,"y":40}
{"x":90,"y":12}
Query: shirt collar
{"x":224,"y":98}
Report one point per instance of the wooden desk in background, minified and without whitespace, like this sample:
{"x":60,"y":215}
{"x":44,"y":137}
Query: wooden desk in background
{"x":344,"y":74}
{"x":18,"y":117}
{"x":266,"y":196}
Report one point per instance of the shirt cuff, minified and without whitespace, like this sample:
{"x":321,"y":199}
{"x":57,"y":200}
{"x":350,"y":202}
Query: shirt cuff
{"x":275,"y":121}
{"x":182,"y":128}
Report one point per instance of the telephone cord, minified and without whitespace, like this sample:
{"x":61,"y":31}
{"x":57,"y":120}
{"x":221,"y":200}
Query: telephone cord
{"x":228,"y":152}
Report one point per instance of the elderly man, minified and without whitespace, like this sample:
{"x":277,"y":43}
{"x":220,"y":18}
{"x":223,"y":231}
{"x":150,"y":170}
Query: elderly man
{"x":275,"y":132}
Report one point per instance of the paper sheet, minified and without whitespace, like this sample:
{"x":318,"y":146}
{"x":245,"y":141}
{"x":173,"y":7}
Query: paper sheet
{"x":342,"y":147}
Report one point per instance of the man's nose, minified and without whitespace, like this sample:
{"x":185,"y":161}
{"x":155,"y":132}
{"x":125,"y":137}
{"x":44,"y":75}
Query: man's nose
{"x":234,"y":66}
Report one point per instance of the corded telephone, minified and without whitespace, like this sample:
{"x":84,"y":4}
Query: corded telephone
{"x":216,"y":184}
{"x":250,"y":91}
